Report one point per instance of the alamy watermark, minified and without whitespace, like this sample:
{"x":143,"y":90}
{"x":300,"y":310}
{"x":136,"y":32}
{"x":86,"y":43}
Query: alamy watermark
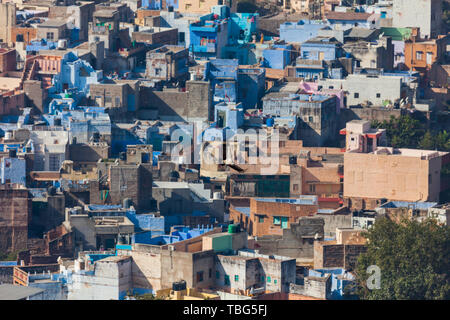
{"x":220,"y":146}
{"x":374,"y":280}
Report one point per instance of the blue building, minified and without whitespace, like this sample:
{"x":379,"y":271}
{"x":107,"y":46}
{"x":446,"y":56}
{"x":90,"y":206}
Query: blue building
{"x":13,"y":170}
{"x":179,"y":233}
{"x":307,"y":69}
{"x":301,"y":31}
{"x":339,"y":280}
{"x":38,"y":45}
{"x":322,"y":48}
{"x":278,"y":56}
{"x":243,"y":27}
{"x":347,"y":20}
{"x":251,"y":87}
{"x":229,"y":115}
{"x":208,"y":38}
{"x":75,"y":74}
{"x":223,"y":74}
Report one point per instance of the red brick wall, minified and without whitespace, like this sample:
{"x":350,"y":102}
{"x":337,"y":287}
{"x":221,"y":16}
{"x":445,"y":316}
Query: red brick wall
{"x":271,"y":209}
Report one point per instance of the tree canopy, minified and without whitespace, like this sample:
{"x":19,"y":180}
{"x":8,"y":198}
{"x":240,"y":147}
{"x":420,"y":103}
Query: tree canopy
{"x":408,"y":132}
{"x":413,"y":258}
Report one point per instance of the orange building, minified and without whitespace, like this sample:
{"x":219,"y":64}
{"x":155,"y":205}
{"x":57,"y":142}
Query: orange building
{"x":421,"y":54}
{"x":372,"y":172}
{"x":28,"y":34}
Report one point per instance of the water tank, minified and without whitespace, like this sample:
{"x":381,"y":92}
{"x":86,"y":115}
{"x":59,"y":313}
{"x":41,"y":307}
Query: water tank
{"x":126,"y":203}
{"x":233,"y":228}
{"x":51,"y":191}
{"x":62,"y":44}
{"x":179,"y":286}
{"x":218,"y":195}
{"x":270,"y":122}
{"x":12,"y":153}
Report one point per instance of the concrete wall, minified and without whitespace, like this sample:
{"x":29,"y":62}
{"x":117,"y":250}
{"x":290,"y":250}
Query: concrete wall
{"x":297,"y":242}
{"x":393,"y":177}
{"x":110,"y":281}
{"x":193,"y":104}
{"x":15,"y":215}
{"x":333,"y":221}
{"x":154,"y":268}
{"x":360,"y":88}
{"x":425,"y":14}
{"x":330,"y":255}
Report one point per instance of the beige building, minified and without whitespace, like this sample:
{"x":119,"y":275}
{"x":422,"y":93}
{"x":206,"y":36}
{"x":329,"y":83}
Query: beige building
{"x":372,"y":172}
{"x":204,"y":6}
{"x":7,"y":21}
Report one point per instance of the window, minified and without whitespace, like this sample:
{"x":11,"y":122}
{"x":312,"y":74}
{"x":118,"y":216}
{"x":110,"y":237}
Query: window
{"x":236,"y":278}
{"x":275,"y":281}
{"x":217,"y":275}
{"x":50,"y":36}
{"x":262,"y":278}
{"x":295,"y":187}
{"x":276,"y":220}
{"x":181,"y":37}
{"x":210,"y":273}
{"x":312,"y":188}
{"x":419,"y":55}
{"x":356,"y":95}
{"x":269,"y":280}
{"x":200,"y":276}
{"x":260,"y":219}
{"x":330,"y":87}
{"x":378,"y":95}
{"x":227,"y":280}
{"x":310,"y":119}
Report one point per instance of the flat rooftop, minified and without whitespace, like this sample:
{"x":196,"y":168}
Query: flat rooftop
{"x":12,"y":292}
{"x":305,"y":200}
{"x":416,"y":153}
{"x":53,"y":23}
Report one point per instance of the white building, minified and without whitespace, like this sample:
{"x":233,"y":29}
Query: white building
{"x":51,"y":149}
{"x":424,"y":14}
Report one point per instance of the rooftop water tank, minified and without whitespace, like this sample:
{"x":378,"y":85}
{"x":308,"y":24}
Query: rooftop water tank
{"x":217,"y":195}
{"x":233,"y":228}
{"x":62,"y":44}
{"x":179,"y":286}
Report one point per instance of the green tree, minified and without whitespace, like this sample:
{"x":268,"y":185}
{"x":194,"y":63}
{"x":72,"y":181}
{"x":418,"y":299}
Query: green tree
{"x":413,"y":258}
{"x":442,"y":141}
{"x":410,"y":132}
{"x":427,"y":142}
